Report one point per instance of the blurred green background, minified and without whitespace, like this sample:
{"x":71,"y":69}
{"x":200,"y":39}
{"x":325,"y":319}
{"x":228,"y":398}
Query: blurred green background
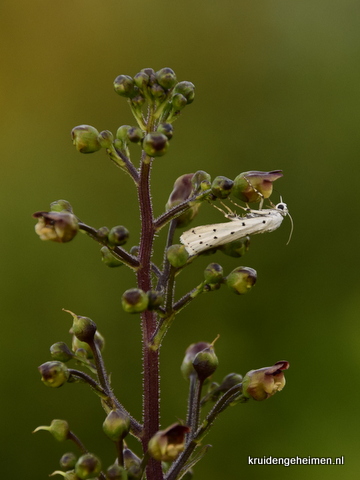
{"x":277,"y":87}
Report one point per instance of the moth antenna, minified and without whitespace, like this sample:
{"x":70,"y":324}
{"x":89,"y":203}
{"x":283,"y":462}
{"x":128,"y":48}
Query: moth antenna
{"x":292,"y":228}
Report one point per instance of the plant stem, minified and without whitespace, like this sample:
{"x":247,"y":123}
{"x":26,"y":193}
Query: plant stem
{"x":151,"y":412}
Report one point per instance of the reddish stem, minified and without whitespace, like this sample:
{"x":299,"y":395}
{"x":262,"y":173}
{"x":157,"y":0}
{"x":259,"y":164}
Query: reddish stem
{"x":151,"y":412}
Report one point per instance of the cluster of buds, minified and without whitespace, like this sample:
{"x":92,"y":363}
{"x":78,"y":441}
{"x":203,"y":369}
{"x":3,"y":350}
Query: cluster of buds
{"x":136,"y":300}
{"x":166,"y":98}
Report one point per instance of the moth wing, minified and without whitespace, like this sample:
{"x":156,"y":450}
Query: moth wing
{"x":205,"y":237}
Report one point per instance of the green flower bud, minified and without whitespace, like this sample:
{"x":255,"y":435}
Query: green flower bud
{"x":166,"y":445}
{"x":88,"y":466}
{"x":229,"y":381}
{"x":68,"y":461}
{"x":214,"y":273}
{"x":138,"y":101}
{"x":141,"y":80}
{"x":134,"y":300}
{"x":83,"y":327}
{"x":221,"y":187}
{"x":122,"y":133}
{"x":116,"y":425}
{"x":248,"y":185}
{"x":102,"y":233}
{"x":187,"y":89}
{"x":59,"y":429}
{"x":61,"y":352}
{"x":187,"y":368}
{"x":85,"y":139}
{"x":167,"y":129}
{"x":177,"y":255}
{"x":116,"y":472}
{"x":237,"y":248}
{"x":241,"y":280}
{"x":155,"y":144}
{"x":78,"y":346}
{"x":60,"y":206}
{"x":178,"y":102}
{"x":106,"y":138}
{"x":118,"y":235}
{"x":54,"y":374}
{"x":134,"y":473}
{"x":201,"y":181}
{"x":134,"y":250}
{"x":166,"y":78}
{"x":156,"y":299}
{"x":58,"y":227}
{"x":157,"y":92}
{"x":130,"y":459}
{"x":109,"y":259}
{"x":265,"y":382}
{"x":135,"y":134}
{"x":124,"y":85}
{"x":205,"y":363}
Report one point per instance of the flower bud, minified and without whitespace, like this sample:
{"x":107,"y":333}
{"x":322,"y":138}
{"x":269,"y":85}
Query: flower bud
{"x":229,"y":381}
{"x":166,"y":444}
{"x":83,"y":327}
{"x":116,"y":472}
{"x":106,"y":139}
{"x":187,"y":89}
{"x":134,"y":472}
{"x":155,"y":144}
{"x":265,"y":382}
{"x":60,"y":206}
{"x":102,"y":233}
{"x":201,"y":181}
{"x":166,"y":78}
{"x":135,"y":134}
{"x":141,"y":80}
{"x":83,"y":348}
{"x":122,"y":133}
{"x":157,"y":92}
{"x":109,"y":259}
{"x":124,"y":85}
{"x":58,"y":227}
{"x":134,"y":300}
{"x":68,"y":461}
{"x":167,"y":129}
{"x":59,"y":429}
{"x":237,"y":248}
{"x":241,"y":280}
{"x":88,"y":466}
{"x":205,"y":362}
{"x":156,"y":299}
{"x":118,"y":235}
{"x":85,"y":139}
{"x":54,"y":374}
{"x":187,"y":368}
{"x":178,"y":102}
{"x":213,"y":273}
{"x":134,"y":250}
{"x":130,"y":459}
{"x":221,"y":187}
{"x":137,"y":102}
{"x":116,"y":425}
{"x":248,"y":185}
{"x":61,"y":352}
{"x":177,"y":255}
{"x":182,"y":190}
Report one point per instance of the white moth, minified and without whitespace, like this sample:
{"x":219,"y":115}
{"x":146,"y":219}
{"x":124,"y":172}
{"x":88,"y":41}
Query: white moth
{"x":204,"y":237}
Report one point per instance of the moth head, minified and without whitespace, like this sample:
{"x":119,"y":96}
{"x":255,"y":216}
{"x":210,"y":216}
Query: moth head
{"x":282,"y":207}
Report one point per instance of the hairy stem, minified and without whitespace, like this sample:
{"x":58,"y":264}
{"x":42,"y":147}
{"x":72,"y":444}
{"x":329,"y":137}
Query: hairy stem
{"x":151,"y":413}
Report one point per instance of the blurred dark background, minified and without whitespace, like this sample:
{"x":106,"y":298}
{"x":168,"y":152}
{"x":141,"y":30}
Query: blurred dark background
{"x":277,"y":87}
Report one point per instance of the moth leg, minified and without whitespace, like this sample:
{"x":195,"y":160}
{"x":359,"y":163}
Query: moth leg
{"x":229,"y":211}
